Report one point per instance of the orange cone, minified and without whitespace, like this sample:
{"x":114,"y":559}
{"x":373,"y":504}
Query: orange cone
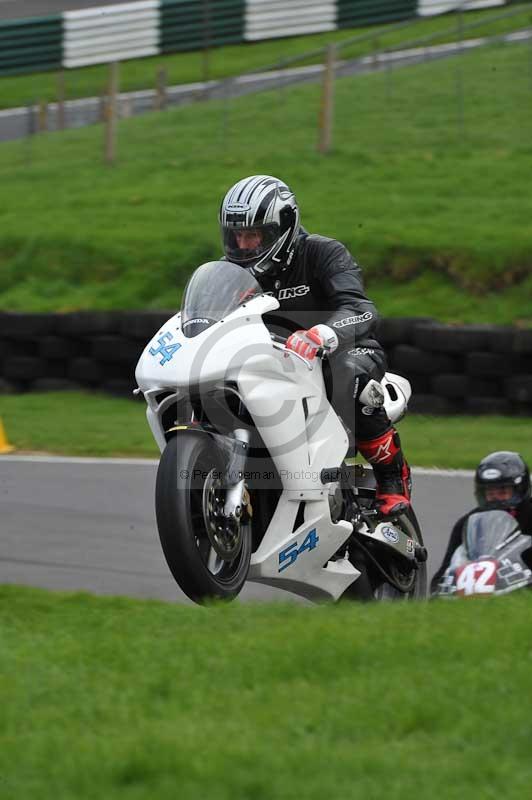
{"x":5,"y":447}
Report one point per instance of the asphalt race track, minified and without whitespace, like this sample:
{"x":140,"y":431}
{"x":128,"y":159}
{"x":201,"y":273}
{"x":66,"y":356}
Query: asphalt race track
{"x":83,"y":524}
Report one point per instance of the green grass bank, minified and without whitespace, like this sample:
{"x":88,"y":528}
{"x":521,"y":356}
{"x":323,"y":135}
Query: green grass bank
{"x":120,"y":698}
{"x":428,"y":187}
{"x":84,"y":424}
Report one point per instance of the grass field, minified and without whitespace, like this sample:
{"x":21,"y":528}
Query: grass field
{"x":437,"y":213}
{"x":233,"y":60}
{"x":86,"y":424}
{"x":118,"y":698}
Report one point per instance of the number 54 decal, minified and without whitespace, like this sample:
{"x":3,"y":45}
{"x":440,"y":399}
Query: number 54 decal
{"x":289,"y":555}
{"x":165,"y":350}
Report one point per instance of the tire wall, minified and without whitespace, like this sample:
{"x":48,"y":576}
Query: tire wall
{"x":453,"y":369}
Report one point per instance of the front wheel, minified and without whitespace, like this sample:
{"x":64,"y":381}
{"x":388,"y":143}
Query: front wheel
{"x":207,"y":559}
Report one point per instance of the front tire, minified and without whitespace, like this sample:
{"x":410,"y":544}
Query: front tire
{"x":186,"y":482}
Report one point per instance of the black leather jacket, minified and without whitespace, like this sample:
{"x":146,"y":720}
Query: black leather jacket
{"x":523,"y":516}
{"x":323,"y":284}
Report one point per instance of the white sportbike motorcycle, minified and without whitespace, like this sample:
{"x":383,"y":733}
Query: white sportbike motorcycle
{"x":253,"y":482}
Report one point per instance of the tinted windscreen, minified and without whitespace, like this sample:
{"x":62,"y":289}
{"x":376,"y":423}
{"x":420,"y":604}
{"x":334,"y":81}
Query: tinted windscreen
{"x":487,"y":529}
{"x":215,"y":290}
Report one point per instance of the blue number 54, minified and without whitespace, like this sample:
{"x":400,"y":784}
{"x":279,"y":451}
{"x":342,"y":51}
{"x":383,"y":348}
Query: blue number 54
{"x":165,"y":350}
{"x":289,"y":555}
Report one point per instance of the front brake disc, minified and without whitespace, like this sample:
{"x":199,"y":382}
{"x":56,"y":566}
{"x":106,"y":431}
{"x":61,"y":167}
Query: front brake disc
{"x":224,"y":533}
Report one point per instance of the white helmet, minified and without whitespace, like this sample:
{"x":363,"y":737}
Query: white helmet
{"x":261,"y":204}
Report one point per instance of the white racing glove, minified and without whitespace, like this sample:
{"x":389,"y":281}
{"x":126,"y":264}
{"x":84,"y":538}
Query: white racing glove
{"x":307,"y":343}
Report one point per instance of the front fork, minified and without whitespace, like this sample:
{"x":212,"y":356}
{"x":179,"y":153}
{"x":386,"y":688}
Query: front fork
{"x":236,"y":449}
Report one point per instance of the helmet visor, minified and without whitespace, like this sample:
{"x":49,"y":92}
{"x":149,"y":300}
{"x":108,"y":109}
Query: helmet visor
{"x":503,"y":494}
{"x":247,"y":245}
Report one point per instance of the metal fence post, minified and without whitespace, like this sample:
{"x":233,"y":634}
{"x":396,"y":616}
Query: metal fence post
{"x":327,"y":101}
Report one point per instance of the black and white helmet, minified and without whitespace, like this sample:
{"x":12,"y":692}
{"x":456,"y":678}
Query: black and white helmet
{"x":264,"y":205}
{"x":502,"y":480}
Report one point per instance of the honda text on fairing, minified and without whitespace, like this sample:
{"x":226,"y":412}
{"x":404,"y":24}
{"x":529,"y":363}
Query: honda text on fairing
{"x":252,"y":482}
{"x":494,"y":558}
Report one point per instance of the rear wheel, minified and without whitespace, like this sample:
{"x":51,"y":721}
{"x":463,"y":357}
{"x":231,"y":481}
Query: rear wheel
{"x":409,"y":578}
{"x":412,"y":579}
{"x":207,"y":558}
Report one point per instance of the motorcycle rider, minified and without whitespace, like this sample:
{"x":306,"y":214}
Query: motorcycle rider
{"x":320,"y":290}
{"x":502,"y":482}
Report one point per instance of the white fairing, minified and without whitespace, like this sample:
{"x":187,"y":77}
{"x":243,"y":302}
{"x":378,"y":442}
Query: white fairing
{"x":458,"y":558}
{"x":285,"y":397}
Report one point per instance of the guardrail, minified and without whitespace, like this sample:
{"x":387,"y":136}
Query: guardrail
{"x":276,"y":18}
{"x":198,"y":24}
{"x":149,"y":27}
{"x":32,"y":45}
{"x":110,"y":33}
{"x":376,"y":12}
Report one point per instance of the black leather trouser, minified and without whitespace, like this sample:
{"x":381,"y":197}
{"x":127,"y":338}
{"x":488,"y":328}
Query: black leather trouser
{"x":347,"y":373}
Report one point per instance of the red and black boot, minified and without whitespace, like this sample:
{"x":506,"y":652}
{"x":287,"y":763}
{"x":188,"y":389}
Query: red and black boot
{"x":391,"y":471}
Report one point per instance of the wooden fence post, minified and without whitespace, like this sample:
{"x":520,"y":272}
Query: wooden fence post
{"x":376,"y":46}
{"x":42,"y":116}
{"x":460,"y":72}
{"x":160,"y":89}
{"x":111,"y":114}
{"x":327,"y":101}
{"x":102,"y":105}
{"x":206,"y":40}
{"x":60,"y":100}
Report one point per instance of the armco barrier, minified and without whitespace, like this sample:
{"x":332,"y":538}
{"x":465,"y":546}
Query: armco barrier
{"x":428,"y":8}
{"x":111,"y":33}
{"x":352,"y":13}
{"x":197,"y":24}
{"x":31,"y":45}
{"x":148,"y":27}
{"x":268,"y":19}
{"x":453,"y":369}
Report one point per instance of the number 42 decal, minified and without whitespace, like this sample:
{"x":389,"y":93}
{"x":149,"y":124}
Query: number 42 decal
{"x":477,"y":577}
{"x":289,"y":555}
